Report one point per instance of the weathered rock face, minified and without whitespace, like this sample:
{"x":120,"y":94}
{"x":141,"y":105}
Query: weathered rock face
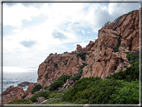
{"x":56,"y":66}
{"x":30,"y":87}
{"x":102,"y":59}
{"x":12,"y":93}
{"x":23,"y":84}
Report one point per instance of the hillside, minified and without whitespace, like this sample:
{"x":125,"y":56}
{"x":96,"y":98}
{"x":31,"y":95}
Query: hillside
{"x":101,"y":57}
{"x":107,"y":61}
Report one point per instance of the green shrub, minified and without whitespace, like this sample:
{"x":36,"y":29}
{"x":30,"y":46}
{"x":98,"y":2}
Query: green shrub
{"x":82,"y":55}
{"x":130,"y":74}
{"x":58,"y":83}
{"x":37,"y":88}
{"x":40,"y":94}
{"x":129,"y":94}
{"x":21,"y":101}
{"x":76,"y":77}
{"x":54,"y":95}
{"x":81,"y":67}
{"x":24,"y":96}
{"x":92,"y":91}
{"x":116,"y":49}
{"x":46,"y":87}
{"x":65,"y":52}
{"x":64,"y":78}
{"x":133,"y":57}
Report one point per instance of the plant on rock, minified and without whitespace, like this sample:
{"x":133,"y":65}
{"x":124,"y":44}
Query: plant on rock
{"x":39,"y":94}
{"x":58,"y":83}
{"x":37,"y":88}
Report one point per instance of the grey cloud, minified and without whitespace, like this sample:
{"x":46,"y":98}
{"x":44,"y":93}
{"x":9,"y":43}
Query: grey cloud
{"x":28,"y":43}
{"x":58,"y":35}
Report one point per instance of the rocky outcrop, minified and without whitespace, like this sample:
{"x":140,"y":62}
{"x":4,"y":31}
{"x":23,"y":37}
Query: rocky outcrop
{"x":23,"y":84}
{"x":57,"y":65}
{"x":12,"y":93}
{"x":68,"y":84}
{"x":30,"y":87}
{"x":40,"y":99}
{"x":102,"y":58}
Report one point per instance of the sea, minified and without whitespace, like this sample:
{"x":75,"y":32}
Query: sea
{"x":15,"y":75}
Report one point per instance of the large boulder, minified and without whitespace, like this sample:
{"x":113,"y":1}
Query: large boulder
{"x":12,"y":93}
{"x":40,"y":99}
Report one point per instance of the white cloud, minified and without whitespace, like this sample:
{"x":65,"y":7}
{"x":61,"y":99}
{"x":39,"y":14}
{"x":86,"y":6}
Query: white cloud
{"x":14,"y":15}
{"x":83,"y":32}
{"x":86,"y":16}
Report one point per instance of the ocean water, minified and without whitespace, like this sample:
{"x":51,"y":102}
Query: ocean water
{"x":15,"y":75}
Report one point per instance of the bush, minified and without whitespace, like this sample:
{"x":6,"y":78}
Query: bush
{"x":129,"y":94}
{"x":130,"y":74}
{"x":46,"y":87}
{"x":58,"y":83}
{"x":116,"y":49}
{"x":24,"y":96}
{"x":54,"y":95}
{"x":133,"y":57}
{"x":21,"y":101}
{"x":76,"y":77}
{"x":82,"y":55}
{"x":40,"y":94}
{"x":37,"y":88}
{"x":81,"y":67}
{"x":92,"y":91}
{"x":65,"y":52}
{"x":64,"y":78}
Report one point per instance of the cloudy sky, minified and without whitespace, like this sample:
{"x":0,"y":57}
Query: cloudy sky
{"x":31,"y":31}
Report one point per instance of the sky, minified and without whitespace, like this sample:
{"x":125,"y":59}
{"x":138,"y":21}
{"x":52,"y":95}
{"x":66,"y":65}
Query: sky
{"x":31,"y":31}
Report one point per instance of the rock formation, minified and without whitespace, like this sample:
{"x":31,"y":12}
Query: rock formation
{"x":12,"y":93}
{"x":23,"y":84}
{"x":102,"y":58}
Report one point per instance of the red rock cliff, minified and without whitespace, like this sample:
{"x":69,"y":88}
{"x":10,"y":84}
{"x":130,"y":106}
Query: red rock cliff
{"x":102,"y":60}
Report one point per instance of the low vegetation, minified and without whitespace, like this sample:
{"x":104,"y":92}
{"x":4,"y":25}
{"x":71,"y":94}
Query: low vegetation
{"x":132,"y":57}
{"x":21,"y":101}
{"x":46,"y":87}
{"x":103,"y":91}
{"x":24,"y":96}
{"x":76,"y":77}
{"x":128,"y":94}
{"x":54,"y":95}
{"x":65,"y":52}
{"x":81,"y":67}
{"x":130,"y":74}
{"x":82,"y":55}
{"x":44,"y":94}
{"x":58,"y":83}
{"x":37,"y":88}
